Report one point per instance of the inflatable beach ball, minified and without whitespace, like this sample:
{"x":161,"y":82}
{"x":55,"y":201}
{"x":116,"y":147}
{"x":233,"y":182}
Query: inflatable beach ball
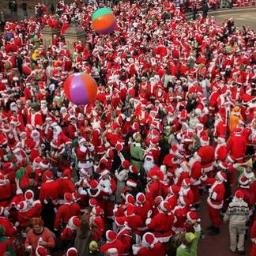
{"x":80,"y":88}
{"x":103,"y":21}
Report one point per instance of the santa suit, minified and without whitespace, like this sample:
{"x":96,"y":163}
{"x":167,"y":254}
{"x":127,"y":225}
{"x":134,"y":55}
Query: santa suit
{"x":49,"y":191}
{"x":135,"y":222}
{"x":116,"y":243}
{"x":97,"y":224}
{"x":5,"y":245}
{"x":66,"y":185}
{"x":31,"y":210}
{"x":65,"y":212}
{"x":220,"y":129}
{"x":9,"y":228}
{"x":152,"y":250}
{"x":195,"y":174}
{"x":237,"y":147}
{"x":207,"y":157}
{"x":180,"y":212}
{"x":161,"y":225}
{"x":36,"y":119}
{"x":221,"y":152}
{"x":107,"y":189}
{"x":6,"y":192}
{"x":215,"y":202}
{"x":84,"y":157}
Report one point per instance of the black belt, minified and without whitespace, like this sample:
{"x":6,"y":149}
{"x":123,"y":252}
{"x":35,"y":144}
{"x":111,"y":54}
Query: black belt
{"x":135,"y":159}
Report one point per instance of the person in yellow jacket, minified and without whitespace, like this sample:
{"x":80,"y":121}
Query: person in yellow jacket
{"x":235,"y":118}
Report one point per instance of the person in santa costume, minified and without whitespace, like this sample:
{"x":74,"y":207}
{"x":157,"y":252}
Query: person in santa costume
{"x":28,"y":209}
{"x":6,"y":191}
{"x":66,"y":211}
{"x":97,"y":223}
{"x":237,"y":145}
{"x":49,"y":188}
{"x":72,"y":251}
{"x":6,"y":247}
{"x":84,"y":154}
{"x":161,"y":222}
{"x":215,"y":200}
{"x":59,"y":142}
{"x":149,"y":246}
{"x":112,"y":243}
{"x":68,"y":233}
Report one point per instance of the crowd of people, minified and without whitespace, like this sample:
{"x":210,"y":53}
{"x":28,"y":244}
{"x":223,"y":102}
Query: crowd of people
{"x":173,"y":128}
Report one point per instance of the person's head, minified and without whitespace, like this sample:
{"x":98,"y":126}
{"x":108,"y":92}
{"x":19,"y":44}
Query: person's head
{"x":37,"y":225}
{"x":188,"y":238}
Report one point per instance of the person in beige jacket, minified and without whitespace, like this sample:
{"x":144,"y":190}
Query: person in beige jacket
{"x":238,"y":215}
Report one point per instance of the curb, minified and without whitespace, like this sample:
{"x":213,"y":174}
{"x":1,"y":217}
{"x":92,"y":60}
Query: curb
{"x":225,"y":11}
{"x":233,"y":10}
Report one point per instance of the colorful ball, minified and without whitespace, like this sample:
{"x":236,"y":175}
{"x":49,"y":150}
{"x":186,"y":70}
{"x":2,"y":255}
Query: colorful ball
{"x":103,"y":21}
{"x":80,"y":88}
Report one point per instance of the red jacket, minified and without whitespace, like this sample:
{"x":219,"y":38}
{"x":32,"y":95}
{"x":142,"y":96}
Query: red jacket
{"x":65,"y":212}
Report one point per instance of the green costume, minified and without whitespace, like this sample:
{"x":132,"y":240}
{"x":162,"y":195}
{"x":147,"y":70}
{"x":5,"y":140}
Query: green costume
{"x":191,"y":249}
{"x":137,"y":154}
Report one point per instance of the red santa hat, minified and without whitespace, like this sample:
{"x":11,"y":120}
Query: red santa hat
{"x":129,"y":198}
{"x":119,"y":147}
{"x":186,"y":182}
{"x":174,"y":189}
{"x":29,"y":195}
{"x":222,"y":176}
{"x":140,"y":198}
{"x":125,"y":164}
{"x":21,"y":206}
{"x":244,"y":182}
{"x":44,"y":164}
{"x":239,"y":194}
{"x":130,"y":210}
{"x":74,"y":222}
{"x":41,"y":251}
{"x":72,"y":252}
{"x":93,"y":202}
{"x":149,"y":239}
{"x":223,"y":165}
{"x":110,"y":153}
{"x":163,"y":206}
{"x":98,"y":211}
{"x":131,"y":183}
{"x":193,"y":217}
{"x":67,"y":173}
{"x":133,"y":169}
{"x":204,"y":140}
{"x":156,"y":173}
{"x":68,"y":197}
{"x":183,"y":115}
{"x":120,"y":221}
{"x":111,"y":235}
{"x":47,"y":175}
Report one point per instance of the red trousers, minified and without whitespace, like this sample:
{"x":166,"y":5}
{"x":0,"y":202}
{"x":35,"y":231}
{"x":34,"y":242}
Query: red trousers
{"x":253,"y":250}
{"x":214,"y":215}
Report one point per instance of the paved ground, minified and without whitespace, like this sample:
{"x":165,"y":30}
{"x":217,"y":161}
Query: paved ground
{"x":245,"y":17}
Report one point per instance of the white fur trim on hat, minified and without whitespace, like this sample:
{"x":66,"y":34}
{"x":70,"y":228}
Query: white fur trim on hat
{"x":131,"y":183}
{"x":112,"y":250}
